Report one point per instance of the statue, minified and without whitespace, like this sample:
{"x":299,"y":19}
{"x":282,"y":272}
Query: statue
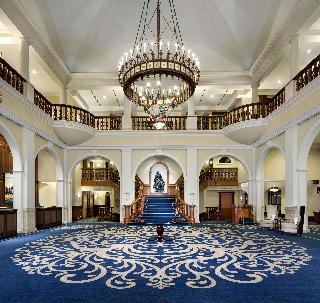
{"x":158,"y":183}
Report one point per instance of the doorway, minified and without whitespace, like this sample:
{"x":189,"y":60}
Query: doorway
{"x":226,"y":204}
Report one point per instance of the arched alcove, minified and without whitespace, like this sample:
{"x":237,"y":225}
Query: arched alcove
{"x":223,"y":184}
{"x":168,"y":168}
{"x":274,"y":177}
{"x":95,"y":189}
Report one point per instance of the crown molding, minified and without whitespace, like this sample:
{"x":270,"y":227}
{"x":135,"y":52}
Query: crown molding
{"x":298,"y":15}
{"x":18,"y":16}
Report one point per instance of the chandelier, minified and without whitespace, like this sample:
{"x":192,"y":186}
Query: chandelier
{"x":159,"y":72}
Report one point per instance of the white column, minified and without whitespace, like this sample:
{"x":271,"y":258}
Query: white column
{"x":126,"y":190}
{"x":28,"y":182}
{"x":68,"y":198}
{"x":24,"y":58}
{"x":192,"y":118}
{"x":294,"y":55}
{"x":126,"y":118}
{"x":291,"y":157}
{"x":61,"y":201}
{"x":255,"y":93}
{"x":302,"y":195}
{"x":17,"y":198}
{"x":191,"y":194}
{"x":63,"y":96}
{"x":260,"y":199}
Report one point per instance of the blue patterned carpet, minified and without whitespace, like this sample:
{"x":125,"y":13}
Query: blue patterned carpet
{"x":204,"y":263}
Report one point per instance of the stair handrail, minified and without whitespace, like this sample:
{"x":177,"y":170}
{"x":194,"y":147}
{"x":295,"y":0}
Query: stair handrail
{"x":134,"y":210}
{"x":185,"y":210}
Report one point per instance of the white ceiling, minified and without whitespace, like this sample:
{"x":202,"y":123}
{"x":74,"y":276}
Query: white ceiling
{"x":89,"y":36}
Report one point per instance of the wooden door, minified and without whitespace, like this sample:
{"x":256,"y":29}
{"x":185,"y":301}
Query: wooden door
{"x":226,"y":202}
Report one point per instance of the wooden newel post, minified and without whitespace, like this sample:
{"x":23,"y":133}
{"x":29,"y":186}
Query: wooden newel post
{"x":192,"y":214}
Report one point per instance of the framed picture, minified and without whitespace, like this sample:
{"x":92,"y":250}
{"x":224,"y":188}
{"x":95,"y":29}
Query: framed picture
{"x":8,"y":190}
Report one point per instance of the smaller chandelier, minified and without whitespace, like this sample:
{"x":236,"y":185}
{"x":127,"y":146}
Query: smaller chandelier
{"x":159,"y":74}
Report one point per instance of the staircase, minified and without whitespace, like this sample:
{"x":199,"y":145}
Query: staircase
{"x":160,"y":210}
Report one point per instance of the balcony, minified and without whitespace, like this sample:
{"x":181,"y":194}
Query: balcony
{"x":218,"y":177}
{"x":100,"y":177}
{"x":244,"y":124}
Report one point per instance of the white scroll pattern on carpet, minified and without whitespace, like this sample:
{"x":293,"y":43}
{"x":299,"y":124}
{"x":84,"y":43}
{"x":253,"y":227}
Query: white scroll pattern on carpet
{"x":124,"y":257}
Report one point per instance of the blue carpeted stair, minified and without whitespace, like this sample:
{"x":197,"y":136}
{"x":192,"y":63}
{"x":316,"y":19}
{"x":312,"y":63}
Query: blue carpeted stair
{"x":160,"y":210}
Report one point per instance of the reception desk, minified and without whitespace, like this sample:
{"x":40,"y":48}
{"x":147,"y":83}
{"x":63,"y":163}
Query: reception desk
{"x":48,"y":217}
{"x":8,"y":222}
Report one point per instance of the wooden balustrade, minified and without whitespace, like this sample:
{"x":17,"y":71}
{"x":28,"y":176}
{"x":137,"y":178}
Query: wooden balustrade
{"x":108,"y":122}
{"x":310,"y":72}
{"x":211,"y":214}
{"x":108,"y":214}
{"x":213,"y":122}
{"x":171,"y":123}
{"x":180,"y":187}
{"x":42,"y":102}
{"x":218,"y":177}
{"x":185,"y":210}
{"x":134,"y":211}
{"x":72,"y":113}
{"x":276,"y":101}
{"x":100,"y":174}
{"x":11,"y":76}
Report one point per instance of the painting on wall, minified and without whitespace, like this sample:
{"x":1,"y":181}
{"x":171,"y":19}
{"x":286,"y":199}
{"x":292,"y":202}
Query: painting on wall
{"x":8,"y":192}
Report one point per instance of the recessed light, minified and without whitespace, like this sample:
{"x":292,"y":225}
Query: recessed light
{"x":279,"y":81}
{"x":104,"y":97}
{"x":34,"y":71}
{"x":212,"y":96}
{"x":309,"y":51}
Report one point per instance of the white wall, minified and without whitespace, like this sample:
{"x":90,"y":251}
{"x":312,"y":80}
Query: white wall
{"x":313,"y":198}
{"x":47,"y":179}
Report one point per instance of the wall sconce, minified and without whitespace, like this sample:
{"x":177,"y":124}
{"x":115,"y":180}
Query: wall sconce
{"x":78,"y":196}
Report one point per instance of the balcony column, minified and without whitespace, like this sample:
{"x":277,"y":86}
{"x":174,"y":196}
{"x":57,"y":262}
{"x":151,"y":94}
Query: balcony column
{"x":255,"y":92}
{"x":63,"y":95}
{"x":291,"y":158}
{"x":24,"y":58}
{"x":294,"y":55}
{"x":126,"y":186}
{"x":192,"y":181}
{"x":68,"y":198}
{"x":61,"y":201}
{"x":126,"y":118}
{"x":303,"y":194}
{"x":18,"y":198}
{"x":192,"y":118}
{"x":28,"y":181}
{"x":259,"y":199}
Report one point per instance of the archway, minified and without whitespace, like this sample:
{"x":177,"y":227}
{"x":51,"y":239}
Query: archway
{"x":271,"y":180}
{"x":11,"y":174}
{"x":170,"y":172}
{"x":313,"y":181}
{"x":223,"y":186}
{"x":95,"y":189}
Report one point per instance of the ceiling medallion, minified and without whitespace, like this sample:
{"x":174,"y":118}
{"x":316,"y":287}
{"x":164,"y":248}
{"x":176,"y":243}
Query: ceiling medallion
{"x":159,"y":72}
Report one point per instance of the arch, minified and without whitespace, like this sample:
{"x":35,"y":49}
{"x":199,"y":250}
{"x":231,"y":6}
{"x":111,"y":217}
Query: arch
{"x":59,"y":168}
{"x":90,"y":155}
{"x":238,"y":158}
{"x":154,"y":154}
{"x":14,"y":147}
{"x":313,"y":132}
{"x":262,"y":157}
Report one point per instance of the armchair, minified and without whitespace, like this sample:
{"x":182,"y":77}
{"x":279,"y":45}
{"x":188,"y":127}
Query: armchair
{"x":272,"y":211}
{"x":292,"y":220}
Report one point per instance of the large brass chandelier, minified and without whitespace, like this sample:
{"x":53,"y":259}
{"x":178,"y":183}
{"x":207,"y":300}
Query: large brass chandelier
{"x":159,"y":72}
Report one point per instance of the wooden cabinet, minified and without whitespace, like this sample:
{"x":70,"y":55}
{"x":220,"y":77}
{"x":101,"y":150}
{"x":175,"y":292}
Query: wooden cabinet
{"x":48,"y":217}
{"x":77,"y":213}
{"x":8,"y":222}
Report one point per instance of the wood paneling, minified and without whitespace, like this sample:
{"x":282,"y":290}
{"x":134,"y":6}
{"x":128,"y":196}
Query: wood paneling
{"x":226,"y":203}
{"x":48,"y":217}
{"x":8,"y":222}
